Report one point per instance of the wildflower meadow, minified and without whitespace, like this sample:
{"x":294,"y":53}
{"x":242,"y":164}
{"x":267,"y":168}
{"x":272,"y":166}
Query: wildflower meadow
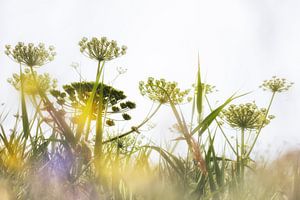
{"x":64,"y":143}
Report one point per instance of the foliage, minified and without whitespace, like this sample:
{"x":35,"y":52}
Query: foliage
{"x":65,"y":149}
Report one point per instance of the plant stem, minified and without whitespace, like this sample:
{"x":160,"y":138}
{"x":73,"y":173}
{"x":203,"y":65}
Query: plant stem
{"x":259,"y":130}
{"x":88,"y":108}
{"x":88,"y":128}
{"x":242,"y":153}
{"x":99,"y":133}
{"x":226,"y":138}
{"x":134,"y":128}
{"x":25,"y":121}
{"x":99,"y":120}
{"x":67,"y":132}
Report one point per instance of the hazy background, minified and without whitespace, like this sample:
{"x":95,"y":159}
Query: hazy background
{"x":240,"y":43}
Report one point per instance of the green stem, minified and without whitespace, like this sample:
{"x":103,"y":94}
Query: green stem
{"x":134,"y":128}
{"x":99,"y":133}
{"x":259,"y":130}
{"x":99,"y":120}
{"x":88,"y":108}
{"x":242,"y":153}
{"x":88,"y":128}
{"x":38,"y":110}
{"x":238,"y":158}
{"x":58,"y":119}
{"x":220,"y":127}
{"x":25,"y":120}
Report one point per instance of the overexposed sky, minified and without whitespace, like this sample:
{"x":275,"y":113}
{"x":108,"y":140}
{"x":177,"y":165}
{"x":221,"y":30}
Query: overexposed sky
{"x":240,"y":43}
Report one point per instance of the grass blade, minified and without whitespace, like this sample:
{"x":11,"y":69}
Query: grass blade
{"x":25,"y":121}
{"x":212,"y":116}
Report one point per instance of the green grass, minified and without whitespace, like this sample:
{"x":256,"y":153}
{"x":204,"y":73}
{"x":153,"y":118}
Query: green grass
{"x":65,"y":147}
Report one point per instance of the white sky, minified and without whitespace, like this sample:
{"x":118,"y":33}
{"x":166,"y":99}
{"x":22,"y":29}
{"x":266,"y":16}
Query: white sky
{"x":240,"y":44}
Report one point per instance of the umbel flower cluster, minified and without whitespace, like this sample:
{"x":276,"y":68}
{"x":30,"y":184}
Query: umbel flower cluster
{"x":76,"y":95}
{"x":30,"y":55}
{"x":276,"y":85}
{"x":33,"y":83}
{"x":101,"y":49}
{"x":246,"y":116}
{"x":162,"y":91}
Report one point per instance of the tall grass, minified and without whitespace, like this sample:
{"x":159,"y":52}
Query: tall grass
{"x":65,"y":149}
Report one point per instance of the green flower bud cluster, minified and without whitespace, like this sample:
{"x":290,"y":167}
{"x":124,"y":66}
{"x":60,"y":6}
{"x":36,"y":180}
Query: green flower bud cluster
{"x":126,"y":116}
{"x":77,"y":94}
{"x":276,"y":85}
{"x":32,"y":84}
{"x":101,"y":49}
{"x":246,"y":116}
{"x":30,"y":55}
{"x":162,"y":91}
{"x":110,"y":122}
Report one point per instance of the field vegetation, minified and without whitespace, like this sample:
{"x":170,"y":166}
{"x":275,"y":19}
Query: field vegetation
{"x":63,"y":144}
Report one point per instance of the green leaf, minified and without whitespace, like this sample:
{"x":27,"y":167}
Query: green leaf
{"x":199,"y":190}
{"x":212,"y":116}
{"x":200,"y":93}
{"x":25,"y":120}
{"x":172,"y":160}
{"x":5,"y":141}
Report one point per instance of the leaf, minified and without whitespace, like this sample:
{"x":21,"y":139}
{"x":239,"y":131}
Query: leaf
{"x":5,"y":141}
{"x":219,"y":175}
{"x":198,"y":192}
{"x":172,"y":160}
{"x":25,"y":121}
{"x":200,"y":92}
{"x":212,"y":116}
